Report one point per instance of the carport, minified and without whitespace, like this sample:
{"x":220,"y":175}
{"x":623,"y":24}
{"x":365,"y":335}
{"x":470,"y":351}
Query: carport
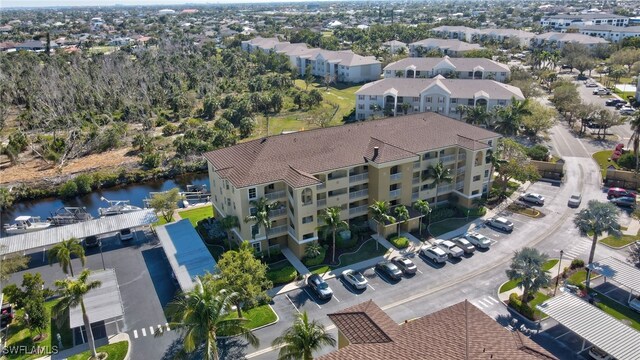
{"x":593,"y":325}
{"x":103,"y":305}
{"x":186,"y":252}
{"x":45,"y":238}
{"x":619,"y":272}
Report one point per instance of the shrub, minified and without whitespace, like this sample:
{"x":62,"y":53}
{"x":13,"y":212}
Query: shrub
{"x":309,"y":262}
{"x":627,"y":161}
{"x":514,"y":301}
{"x":169,"y":130}
{"x":519,"y":306}
{"x":391,"y":236}
{"x":474,"y":211}
{"x":538,"y":152}
{"x":68,"y":189}
{"x":161,"y":121}
{"x":346,"y":243}
{"x":84,"y":182}
{"x":577,"y":263}
{"x":282,"y":276}
{"x":441,"y":214}
{"x":151,"y":160}
{"x":400,"y":242}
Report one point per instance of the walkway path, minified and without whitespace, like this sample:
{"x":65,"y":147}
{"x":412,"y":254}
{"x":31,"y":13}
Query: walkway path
{"x":66,"y":353}
{"x":297,"y":264}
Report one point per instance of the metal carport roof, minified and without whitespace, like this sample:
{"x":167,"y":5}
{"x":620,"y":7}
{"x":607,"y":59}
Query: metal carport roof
{"x":103,"y":303}
{"x":56,"y":234}
{"x":594,"y":325}
{"x":618,"y":271}
{"x":186,"y":252}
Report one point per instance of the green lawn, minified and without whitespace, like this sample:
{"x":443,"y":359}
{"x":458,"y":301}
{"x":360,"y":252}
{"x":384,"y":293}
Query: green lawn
{"x":539,"y":299}
{"x":512,"y":284}
{"x":343,"y":95}
{"x":281,"y":273}
{"x":620,"y":241}
{"x":197,"y":214}
{"x":618,"y":310}
{"x":161,"y":221}
{"x":258,"y":316}
{"x":444,"y":226}
{"x":116,"y":351}
{"x":320,"y":269}
{"x":579,"y":277}
{"x":19,"y":334}
{"x":602,"y":158}
{"x":366,"y":252}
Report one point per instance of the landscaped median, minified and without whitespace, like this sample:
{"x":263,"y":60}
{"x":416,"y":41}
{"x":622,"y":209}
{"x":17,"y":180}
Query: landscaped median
{"x":115,"y":351}
{"x":618,"y":242}
{"x":259,"y":316}
{"x":365,"y":251}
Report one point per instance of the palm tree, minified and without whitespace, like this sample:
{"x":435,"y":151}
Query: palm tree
{"x":228,"y":223}
{"x":302,"y":339}
{"x":635,"y":136}
{"x":510,"y":117}
{"x":526,"y":267}
{"x":72,"y":292}
{"x":332,"y":224}
{"x":261,"y":217}
{"x":200,"y":314}
{"x":423,"y":207}
{"x":380,"y":213}
{"x":63,"y":251}
{"x":312,"y":250}
{"x":476,"y":115}
{"x":595,"y":219}
{"x":439,"y":174}
{"x":402,"y":215}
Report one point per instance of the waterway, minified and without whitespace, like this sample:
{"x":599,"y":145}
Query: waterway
{"x":135,"y":193}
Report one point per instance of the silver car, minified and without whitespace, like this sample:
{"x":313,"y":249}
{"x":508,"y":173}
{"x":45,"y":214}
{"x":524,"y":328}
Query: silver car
{"x":355,"y":279}
{"x":533,"y":198}
{"x":500,"y":223}
{"x":449,"y":247}
{"x":434,"y":253}
{"x":465,"y":245}
{"x":478,"y":240}
{"x":575,"y":200}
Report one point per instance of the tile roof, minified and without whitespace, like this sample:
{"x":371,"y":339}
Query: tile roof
{"x":461,"y":64}
{"x":461,"y":331}
{"x":459,"y":88}
{"x":451,"y":44}
{"x":294,"y":157}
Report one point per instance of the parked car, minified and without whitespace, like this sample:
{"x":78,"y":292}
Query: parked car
{"x":434,"y":253}
{"x":500,"y":223}
{"x":627,"y":110}
{"x":355,"y":279}
{"x":465,"y":245}
{"x":575,"y":200}
{"x":599,"y":354}
{"x":478,"y":240}
{"x":389,"y":269}
{"x":601,"y":91}
{"x":125,"y":234}
{"x":635,"y":303}
{"x":616,"y":192}
{"x":625,"y":201}
{"x":319,"y":286}
{"x":614,"y":102}
{"x":533,"y":198}
{"x":449,"y":247}
{"x":591,"y":84}
{"x":405,"y":265}
{"x":91,"y":241}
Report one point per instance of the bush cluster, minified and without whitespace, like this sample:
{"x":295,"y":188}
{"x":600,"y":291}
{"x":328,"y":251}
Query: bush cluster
{"x":400,"y":242}
{"x":519,"y":306}
{"x":282,"y":276}
{"x":577,"y":263}
{"x":538,"y":152}
{"x":309,"y":262}
{"x":442,"y":213}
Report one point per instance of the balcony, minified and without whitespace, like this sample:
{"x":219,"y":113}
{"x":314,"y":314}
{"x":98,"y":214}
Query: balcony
{"x":359,"y":177}
{"x":277,"y":230}
{"x":415,"y":180}
{"x":461,"y":170}
{"x":447,"y":159}
{"x":460,"y":185}
{"x":394,"y":193}
{"x":359,"y":210}
{"x":358,"y":194}
{"x":275,"y":195}
{"x":322,"y":202}
{"x":415,"y":196}
{"x":277,"y":212}
{"x":396,"y":176}
{"x":416,"y":165}
{"x":321,"y":186}
{"x":445,"y":188}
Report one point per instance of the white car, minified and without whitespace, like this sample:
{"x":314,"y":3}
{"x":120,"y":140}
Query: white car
{"x":635,"y":303}
{"x":434,"y":253}
{"x":355,"y":279}
{"x":125,"y":234}
{"x":598,"y":354}
{"x":591,"y":84}
{"x":449,"y":247}
{"x":533,"y":198}
{"x":575,"y":200}
{"x":500,"y":223}
{"x":478,"y":240}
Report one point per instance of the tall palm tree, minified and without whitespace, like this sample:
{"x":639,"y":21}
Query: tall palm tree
{"x":402,"y":215}
{"x":635,"y":136}
{"x":72,"y":292}
{"x":380,"y":214}
{"x":476,"y":115}
{"x":63,"y":251}
{"x":423,"y":207}
{"x":332,"y":224}
{"x":302,"y":339}
{"x":526,"y":267}
{"x":228,"y":223}
{"x":595,"y":219}
{"x":439,"y":174}
{"x":199,"y":314}
{"x":510,"y":117}
{"x":261,"y":217}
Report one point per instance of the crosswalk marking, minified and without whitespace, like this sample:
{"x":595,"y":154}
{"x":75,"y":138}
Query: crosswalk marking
{"x":152,"y":330}
{"x":494,"y":300}
{"x":167,"y":326}
{"x":486,"y":302}
{"x":144,"y":332}
{"x":135,"y":334}
{"x":160,"y":329}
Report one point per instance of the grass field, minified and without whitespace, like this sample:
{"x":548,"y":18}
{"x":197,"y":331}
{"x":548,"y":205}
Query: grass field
{"x":620,"y":241}
{"x":258,"y":316}
{"x":116,"y":351}
{"x":602,"y":158}
{"x":618,"y":311}
{"x":579,"y":277}
{"x":365,"y":252}
{"x":102,"y":49}
{"x":512,"y":284}
{"x":539,"y":299}
{"x":197,"y":214}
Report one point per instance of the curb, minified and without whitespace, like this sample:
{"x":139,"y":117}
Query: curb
{"x":619,"y":247}
{"x":127,"y":356}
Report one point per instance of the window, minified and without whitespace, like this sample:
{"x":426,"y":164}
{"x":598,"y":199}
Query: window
{"x":476,"y":178}
{"x":416,"y":99}
{"x":360,"y":106}
{"x":226,"y":184}
{"x":256,"y":246}
{"x":255,"y":230}
{"x":454,"y":101}
{"x":503,"y":74}
{"x":490,"y":143}
{"x":253,"y":194}
{"x":234,"y":205}
{"x":486,"y":173}
{"x":475,"y":192}
{"x":215,"y":198}
{"x":307,"y":236}
{"x":428,"y":99}
{"x":470,"y":102}
{"x":253,"y":211}
{"x":307,"y":196}
{"x":440,"y":100}
{"x":307,"y":219}
{"x":470,"y":74}
{"x":502,"y":102}
{"x":373,"y":97}
{"x":228,"y":201}
{"x":360,"y":116}
{"x":360,"y":97}
{"x":441,"y":152}
{"x":271,"y":186}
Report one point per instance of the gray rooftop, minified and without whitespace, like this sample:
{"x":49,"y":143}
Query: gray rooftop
{"x":451,"y":44}
{"x":618,"y":271}
{"x":460,"y":64}
{"x":53,"y":235}
{"x":594,"y":325}
{"x":571,"y":37}
{"x":103,"y":303}
{"x":610,"y":28}
{"x":585,"y":16}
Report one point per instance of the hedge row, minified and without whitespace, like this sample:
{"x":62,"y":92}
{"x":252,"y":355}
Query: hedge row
{"x":519,"y":306}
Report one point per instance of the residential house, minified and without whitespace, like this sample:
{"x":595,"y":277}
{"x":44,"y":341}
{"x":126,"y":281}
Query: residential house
{"x":463,"y":33}
{"x":610,"y":33}
{"x":460,"y":331}
{"x":459,"y":68}
{"x":564,"y":21}
{"x":395,"y":46}
{"x":558,"y":40}
{"x":471,"y":35}
{"x":440,"y":95}
{"x":348,"y":167}
{"x":35,"y":45}
{"x":453,"y":48}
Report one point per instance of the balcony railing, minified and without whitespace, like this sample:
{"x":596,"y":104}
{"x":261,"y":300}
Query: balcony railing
{"x":461,"y":170}
{"x":415,"y":196}
{"x":416,"y":165}
{"x":322,"y":202}
{"x":359,"y":177}
{"x":277,"y":212}
{"x":357,"y":194}
{"x":321,"y":186}
{"x":359,"y":210}
{"x":460,"y":185}
{"x":448,"y":158}
{"x":396,"y":176}
{"x":415,"y":180}
{"x":277,"y":230}
{"x":445,"y":188}
{"x":275,"y":195}
{"x":394,"y":193}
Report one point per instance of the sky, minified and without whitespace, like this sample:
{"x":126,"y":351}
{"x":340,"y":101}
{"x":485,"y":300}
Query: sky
{"x":53,"y":3}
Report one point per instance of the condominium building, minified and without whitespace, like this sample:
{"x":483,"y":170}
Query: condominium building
{"x":611,"y":33}
{"x":342,"y":66}
{"x":564,"y":21}
{"x":558,"y":40}
{"x":460,"y":68}
{"x":472,"y":35}
{"x":440,"y":95}
{"x":349,"y":167}
{"x":453,"y":48}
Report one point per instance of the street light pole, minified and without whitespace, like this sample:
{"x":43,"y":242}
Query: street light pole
{"x":558,"y":277}
{"x":102,"y":256}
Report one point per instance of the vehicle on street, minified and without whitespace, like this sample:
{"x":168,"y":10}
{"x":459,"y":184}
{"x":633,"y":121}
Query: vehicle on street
{"x":91,"y":241}
{"x":479,"y":240}
{"x":125,"y":234}
{"x":500,"y":223}
{"x":465,"y":245}
{"x":533,"y":198}
{"x":625,"y":201}
{"x":434,"y":253}
{"x":389,"y":269}
{"x":635,"y":303}
{"x":320,"y":287}
{"x":601,"y":91}
{"x":449,"y":247}
{"x":405,"y":265}
{"x":355,"y":279}
{"x":575,"y":200}
{"x":616,"y":192}
{"x":627,"y":110}
{"x":598,"y":354}
{"x":622,"y":104}
{"x":614,"y":102}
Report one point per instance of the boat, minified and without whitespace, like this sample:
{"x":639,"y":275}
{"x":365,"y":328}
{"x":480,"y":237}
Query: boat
{"x":197,"y":188}
{"x":25,"y":224}
{"x":117,"y":207}
{"x":69,"y":215}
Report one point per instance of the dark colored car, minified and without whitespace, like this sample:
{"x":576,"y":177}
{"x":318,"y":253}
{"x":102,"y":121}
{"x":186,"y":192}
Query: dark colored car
{"x":389,"y":269}
{"x":405,"y":265}
{"x":319,"y":286}
{"x":91,"y":241}
{"x":620,"y":104}
{"x":625,"y":201}
{"x":619,"y":192}
{"x":614,"y":102}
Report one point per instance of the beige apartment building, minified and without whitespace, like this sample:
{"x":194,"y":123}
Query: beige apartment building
{"x":349,"y":167}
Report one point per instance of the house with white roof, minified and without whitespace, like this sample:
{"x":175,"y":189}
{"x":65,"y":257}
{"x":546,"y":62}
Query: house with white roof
{"x":558,"y":40}
{"x":457,"y":68}
{"x":472,"y":35}
{"x":453,"y":48}
{"x":564,"y":21}
{"x":610,"y":33}
{"x":440,"y":95}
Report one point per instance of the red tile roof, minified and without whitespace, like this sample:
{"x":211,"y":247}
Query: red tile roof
{"x":460,"y":331}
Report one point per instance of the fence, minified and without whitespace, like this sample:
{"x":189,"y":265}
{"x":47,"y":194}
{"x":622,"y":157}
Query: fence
{"x":549,"y":170}
{"x":622,"y":178}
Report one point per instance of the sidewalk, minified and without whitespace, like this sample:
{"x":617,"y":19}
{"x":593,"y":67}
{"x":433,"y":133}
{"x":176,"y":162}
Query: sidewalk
{"x":297,"y":264}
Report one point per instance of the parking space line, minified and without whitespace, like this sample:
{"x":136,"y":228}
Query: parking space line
{"x":294,"y":305}
{"x":559,"y":336}
{"x":135,"y":334}
{"x":144,"y":332}
{"x":311,"y":298}
{"x":372,"y":288}
{"x":335,"y":297}
{"x":420,"y":271}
